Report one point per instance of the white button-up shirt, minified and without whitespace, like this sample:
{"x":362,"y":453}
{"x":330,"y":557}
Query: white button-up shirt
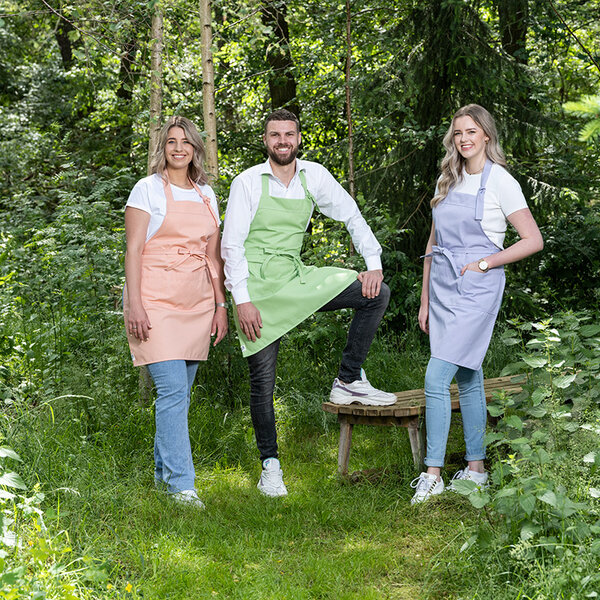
{"x":331,"y":199}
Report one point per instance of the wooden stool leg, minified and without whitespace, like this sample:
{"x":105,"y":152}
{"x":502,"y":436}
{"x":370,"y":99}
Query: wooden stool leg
{"x":417,"y":441}
{"x":345,"y":443}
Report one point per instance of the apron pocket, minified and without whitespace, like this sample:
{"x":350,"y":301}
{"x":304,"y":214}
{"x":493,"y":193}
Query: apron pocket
{"x":483,"y":290}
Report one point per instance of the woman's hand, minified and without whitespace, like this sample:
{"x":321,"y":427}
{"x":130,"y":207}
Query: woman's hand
{"x":220,"y":324}
{"x":138,"y":323}
{"x":424,"y":316}
{"x":472,"y":266}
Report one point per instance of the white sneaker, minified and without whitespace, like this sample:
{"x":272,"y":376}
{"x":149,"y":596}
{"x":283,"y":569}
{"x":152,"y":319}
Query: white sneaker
{"x":271,"y":479}
{"x":425,"y":486}
{"x":481,"y":479}
{"x":360,"y":391}
{"x":189,"y":497}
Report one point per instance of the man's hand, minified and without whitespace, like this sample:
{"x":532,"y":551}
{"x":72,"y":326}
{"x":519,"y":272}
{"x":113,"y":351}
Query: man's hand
{"x":371,"y":282}
{"x":249,"y":319}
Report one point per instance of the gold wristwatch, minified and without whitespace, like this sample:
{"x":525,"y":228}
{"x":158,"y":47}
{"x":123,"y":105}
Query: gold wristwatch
{"x":483,"y":265}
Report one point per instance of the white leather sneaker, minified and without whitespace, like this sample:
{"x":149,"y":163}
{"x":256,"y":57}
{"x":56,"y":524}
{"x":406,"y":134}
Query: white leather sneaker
{"x":481,"y":479}
{"x":189,"y":497}
{"x":425,"y":486}
{"x":271,"y":479}
{"x":360,"y":391}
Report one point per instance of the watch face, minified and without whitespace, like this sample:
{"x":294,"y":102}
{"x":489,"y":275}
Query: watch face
{"x":483,"y":265}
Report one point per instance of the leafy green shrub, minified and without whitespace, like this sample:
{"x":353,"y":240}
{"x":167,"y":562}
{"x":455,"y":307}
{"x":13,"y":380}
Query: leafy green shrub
{"x":543,"y":502}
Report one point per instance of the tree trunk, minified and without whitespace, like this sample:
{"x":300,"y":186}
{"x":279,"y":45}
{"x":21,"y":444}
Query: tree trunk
{"x":208,"y":92}
{"x":61,"y":34}
{"x":349,"y":109}
{"x":513,"y":16}
{"x":156,"y":41}
{"x":155,"y":81}
{"x":282,"y":84}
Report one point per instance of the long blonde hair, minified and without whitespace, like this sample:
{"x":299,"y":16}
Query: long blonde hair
{"x":453,"y":163}
{"x":196,"y":170}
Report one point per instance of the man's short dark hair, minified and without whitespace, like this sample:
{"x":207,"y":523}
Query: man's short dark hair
{"x":282,"y":115}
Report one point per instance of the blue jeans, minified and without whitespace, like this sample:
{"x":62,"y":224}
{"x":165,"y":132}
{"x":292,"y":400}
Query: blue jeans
{"x":367,"y":316}
{"x":173,"y":463}
{"x":438,"y":411}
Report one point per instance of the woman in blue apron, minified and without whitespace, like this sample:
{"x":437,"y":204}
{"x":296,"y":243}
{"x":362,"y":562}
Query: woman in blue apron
{"x":463,"y":283}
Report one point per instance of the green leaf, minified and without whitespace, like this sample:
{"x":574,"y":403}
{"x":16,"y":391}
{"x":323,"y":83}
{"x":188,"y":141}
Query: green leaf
{"x":549,"y":497}
{"x":9,"y":453}
{"x":513,"y":421}
{"x":564,"y":381}
{"x":479,"y":498}
{"x":589,"y":330}
{"x":495,"y":410}
{"x":12,"y":480}
{"x":505,"y":492}
{"x":537,"y":411}
{"x":512,"y":369}
{"x":535,"y":362}
{"x":539,"y":394}
{"x":464,"y":487}
{"x":529,"y":529}
{"x":527,"y":502}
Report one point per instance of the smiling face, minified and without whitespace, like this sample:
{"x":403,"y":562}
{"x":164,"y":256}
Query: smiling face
{"x":178,"y":150}
{"x":282,"y":140}
{"x":470,"y":141}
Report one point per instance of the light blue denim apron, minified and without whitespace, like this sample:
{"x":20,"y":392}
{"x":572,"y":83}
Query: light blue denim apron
{"x":462,"y":309}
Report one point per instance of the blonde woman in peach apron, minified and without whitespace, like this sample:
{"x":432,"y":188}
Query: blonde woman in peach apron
{"x":174,"y":298}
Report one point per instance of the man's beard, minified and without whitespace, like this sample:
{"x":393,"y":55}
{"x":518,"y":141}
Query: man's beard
{"x":283,"y":161}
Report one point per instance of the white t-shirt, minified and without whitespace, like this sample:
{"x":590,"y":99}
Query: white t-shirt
{"x":148,"y":195}
{"x":503,"y":196}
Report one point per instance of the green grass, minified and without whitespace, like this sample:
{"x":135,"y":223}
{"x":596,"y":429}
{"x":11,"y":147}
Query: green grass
{"x":331,"y":538}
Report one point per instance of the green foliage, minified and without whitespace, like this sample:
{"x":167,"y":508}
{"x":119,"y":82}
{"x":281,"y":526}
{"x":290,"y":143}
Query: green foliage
{"x":542,"y":503}
{"x":588,"y":106}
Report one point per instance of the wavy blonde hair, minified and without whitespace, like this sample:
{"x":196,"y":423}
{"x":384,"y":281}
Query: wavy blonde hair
{"x":453,"y":163}
{"x":196,"y":170}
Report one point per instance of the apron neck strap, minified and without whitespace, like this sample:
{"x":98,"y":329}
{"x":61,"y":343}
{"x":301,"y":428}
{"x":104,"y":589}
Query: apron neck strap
{"x":302,"y":176}
{"x":481,"y":192}
{"x":205,"y":199}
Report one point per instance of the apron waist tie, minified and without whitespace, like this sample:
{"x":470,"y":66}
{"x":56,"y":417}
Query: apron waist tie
{"x":184,"y":254}
{"x":449,"y":254}
{"x":295,"y":258}
{"x":444,"y":252}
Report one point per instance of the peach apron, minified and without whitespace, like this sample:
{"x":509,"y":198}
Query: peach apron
{"x":177,"y":290}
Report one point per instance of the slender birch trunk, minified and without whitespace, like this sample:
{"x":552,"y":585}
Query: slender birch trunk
{"x":349,"y":109}
{"x":155,"y":80}
{"x":208,"y":92}
{"x":145,"y":382}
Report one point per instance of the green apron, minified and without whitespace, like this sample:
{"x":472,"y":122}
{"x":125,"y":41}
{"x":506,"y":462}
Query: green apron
{"x":284,"y":290}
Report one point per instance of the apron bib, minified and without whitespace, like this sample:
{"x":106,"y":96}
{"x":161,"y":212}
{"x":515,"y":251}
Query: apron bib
{"x":284,"y":290}
{"x":177,"y":290}
{"x":462,"y":309}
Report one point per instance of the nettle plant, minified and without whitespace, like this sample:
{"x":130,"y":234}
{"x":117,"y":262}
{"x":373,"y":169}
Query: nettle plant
{"x":545,"y":445}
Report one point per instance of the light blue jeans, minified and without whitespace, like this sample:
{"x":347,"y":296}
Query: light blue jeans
{"x":438,"y":411}
{"x":173,"y":463}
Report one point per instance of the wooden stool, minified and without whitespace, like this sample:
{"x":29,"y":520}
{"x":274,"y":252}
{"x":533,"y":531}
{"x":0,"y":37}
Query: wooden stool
{"x":408,"y":411}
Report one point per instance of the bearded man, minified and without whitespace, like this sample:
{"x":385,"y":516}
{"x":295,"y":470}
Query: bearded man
{"x":269,"y":209}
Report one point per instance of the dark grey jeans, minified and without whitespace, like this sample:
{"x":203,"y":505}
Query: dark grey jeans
{"x":367,"y":316}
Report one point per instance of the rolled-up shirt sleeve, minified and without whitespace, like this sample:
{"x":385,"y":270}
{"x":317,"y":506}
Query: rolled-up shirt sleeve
{"x":335,"y":202}
{"x":238,"y":217}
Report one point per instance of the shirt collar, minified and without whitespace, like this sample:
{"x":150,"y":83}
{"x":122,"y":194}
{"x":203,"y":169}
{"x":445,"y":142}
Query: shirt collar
{"x":266,"y":167}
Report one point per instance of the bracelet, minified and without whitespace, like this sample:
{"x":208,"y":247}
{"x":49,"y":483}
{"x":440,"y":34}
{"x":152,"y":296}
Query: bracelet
{"x":222,"y":304}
